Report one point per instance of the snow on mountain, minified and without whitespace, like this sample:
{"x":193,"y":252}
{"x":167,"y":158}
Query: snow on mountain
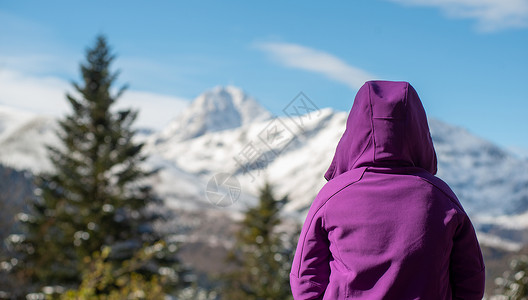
{"x":487,"y":179}
{"x":185,"y":191}
{"x":217,"y":109}
{"x":23,"y":137}
{"x":10,"y":119}
{"x":293,"y":167}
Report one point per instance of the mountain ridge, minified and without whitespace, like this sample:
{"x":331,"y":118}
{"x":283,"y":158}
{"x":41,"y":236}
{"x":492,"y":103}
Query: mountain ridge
{"x":217,"y":109}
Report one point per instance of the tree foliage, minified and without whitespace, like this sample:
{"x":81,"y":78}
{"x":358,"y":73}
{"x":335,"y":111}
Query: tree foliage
{"x":106,"y":281}
{"x":261,"y":256}
{"x":513,"y":285}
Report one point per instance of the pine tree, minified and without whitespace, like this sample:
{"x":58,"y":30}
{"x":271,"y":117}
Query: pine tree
{"x":261,"y":255}
{"x":97,"y":196}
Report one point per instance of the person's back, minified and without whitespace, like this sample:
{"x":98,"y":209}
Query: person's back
{"x":384,"y":227}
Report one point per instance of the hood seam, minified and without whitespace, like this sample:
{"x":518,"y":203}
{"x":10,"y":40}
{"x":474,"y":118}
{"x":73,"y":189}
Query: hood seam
{"x":405,"y":123}
{"x":372,"y":133}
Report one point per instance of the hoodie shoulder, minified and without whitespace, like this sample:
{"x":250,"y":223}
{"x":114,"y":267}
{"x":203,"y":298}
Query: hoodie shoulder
{"x":338,"y":183}
{"x":442,"y":186}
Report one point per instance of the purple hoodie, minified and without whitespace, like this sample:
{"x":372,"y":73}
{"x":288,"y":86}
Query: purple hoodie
{"x":383,"y":226}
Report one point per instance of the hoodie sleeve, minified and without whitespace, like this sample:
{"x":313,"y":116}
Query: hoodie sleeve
{"x":467,"y":265}
{"x":310,"y":268}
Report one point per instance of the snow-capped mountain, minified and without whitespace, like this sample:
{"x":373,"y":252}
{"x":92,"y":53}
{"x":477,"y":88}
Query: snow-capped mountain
{"x":215,"y":110}
{"x":10,"y":119}
{"x":488,"y":179}
{"x":226,"y":131}
{"x":294,"y":166}
{"x":23,"y":139}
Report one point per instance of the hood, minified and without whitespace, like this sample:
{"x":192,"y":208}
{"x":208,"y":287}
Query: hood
{"x":386,"y":127}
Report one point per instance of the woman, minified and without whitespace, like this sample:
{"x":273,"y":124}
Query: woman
{"x":384,"y":227}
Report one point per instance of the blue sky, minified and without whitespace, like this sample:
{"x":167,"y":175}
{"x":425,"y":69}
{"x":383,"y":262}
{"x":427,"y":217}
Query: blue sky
{"x":467,"y":59}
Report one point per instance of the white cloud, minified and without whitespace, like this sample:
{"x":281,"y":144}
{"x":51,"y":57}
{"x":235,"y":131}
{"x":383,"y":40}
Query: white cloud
{"x":46,"y":95}
{"x":491,"y":15}
{"x":304,"y":58}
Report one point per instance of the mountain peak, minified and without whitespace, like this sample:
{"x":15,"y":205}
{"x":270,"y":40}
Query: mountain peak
{"x":217,"y":109}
